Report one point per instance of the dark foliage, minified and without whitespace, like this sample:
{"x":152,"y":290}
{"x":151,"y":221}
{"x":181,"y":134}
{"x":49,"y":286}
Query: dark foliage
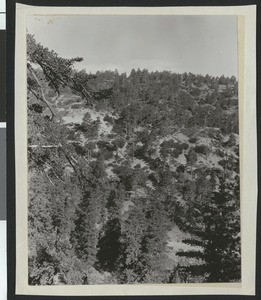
{"x":117,"y":162}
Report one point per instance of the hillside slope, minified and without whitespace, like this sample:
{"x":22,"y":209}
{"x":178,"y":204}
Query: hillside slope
{"x":132,"y":179}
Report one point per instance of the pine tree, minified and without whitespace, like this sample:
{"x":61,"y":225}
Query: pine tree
{"x":217,"y":235}
{"x":110,"y":245}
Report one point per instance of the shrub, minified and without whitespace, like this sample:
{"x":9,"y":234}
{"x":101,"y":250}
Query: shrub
{"x":176,"y":153}
{"x":180,"y":169}
{"x":184,"y":146}
{"x":223,"y":162}
{"x":79,"y":149}
{"x":111,"y":147}
{"x":120,"y":143}
{"x":193,"y":140}
{"x":36,"y":107}
{"x":108,"y":119}
{"x":107,"y":155}
{"x":202,"y":149}
{"x":76,"y":106}
{"x":220,"y":153}
{"x":102,"y":144}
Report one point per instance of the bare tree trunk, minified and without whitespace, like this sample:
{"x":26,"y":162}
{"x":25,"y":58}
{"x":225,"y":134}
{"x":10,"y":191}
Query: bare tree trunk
{"x":42,"y":97}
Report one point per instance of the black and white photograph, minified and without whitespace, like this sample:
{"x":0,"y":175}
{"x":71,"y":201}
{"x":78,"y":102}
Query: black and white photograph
{"x":133,"y":149}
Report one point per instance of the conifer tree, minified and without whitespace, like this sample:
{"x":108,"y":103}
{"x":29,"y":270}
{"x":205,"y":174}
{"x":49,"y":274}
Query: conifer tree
{"x":217,"y":235}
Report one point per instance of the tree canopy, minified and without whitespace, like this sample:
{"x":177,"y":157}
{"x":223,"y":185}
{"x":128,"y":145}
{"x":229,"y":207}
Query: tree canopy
{"x":117,"y":162}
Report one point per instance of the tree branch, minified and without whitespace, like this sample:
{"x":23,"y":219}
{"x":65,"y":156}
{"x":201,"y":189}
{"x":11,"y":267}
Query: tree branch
{"x":84,"y":92}
{"x":49,"y":178}
{"x":42,"y":98}
{"x":72,"y":165}
{"x":45,"y":146}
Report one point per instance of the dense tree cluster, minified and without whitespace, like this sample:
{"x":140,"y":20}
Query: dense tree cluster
{"x":117,"y":161}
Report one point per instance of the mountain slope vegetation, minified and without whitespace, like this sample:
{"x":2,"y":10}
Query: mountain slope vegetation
{"x":132,"y":178}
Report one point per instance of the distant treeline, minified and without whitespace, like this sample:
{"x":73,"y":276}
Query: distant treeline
{"x":116,"y":162}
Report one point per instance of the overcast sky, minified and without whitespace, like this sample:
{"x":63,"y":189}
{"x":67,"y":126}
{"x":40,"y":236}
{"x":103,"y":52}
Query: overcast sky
{"x":197,"y":44}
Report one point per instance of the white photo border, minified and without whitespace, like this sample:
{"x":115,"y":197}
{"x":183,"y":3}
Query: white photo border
{"x":248,"y":154}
